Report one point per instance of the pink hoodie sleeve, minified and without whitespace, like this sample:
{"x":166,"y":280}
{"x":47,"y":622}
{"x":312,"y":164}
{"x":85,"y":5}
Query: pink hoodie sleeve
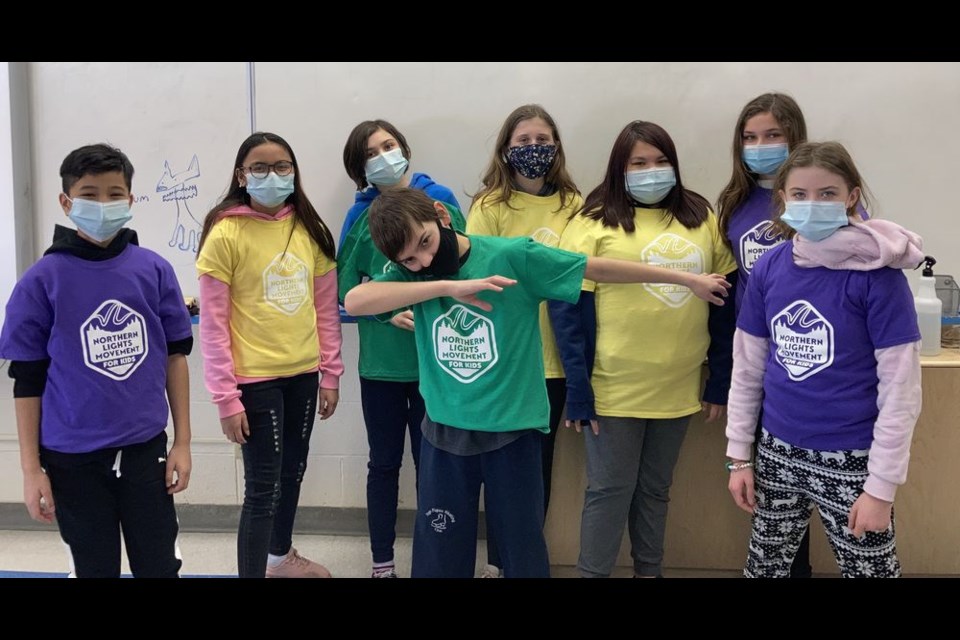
{"x":899,"y":399}
{"x":218,"y":372}
{"x":746,"y":393}
{"x":328,"y":329}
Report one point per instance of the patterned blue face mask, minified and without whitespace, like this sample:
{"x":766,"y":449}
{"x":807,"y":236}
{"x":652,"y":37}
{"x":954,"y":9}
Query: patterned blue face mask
{"x":271,"y":191}
{"x":815,"y":220}
{"x":765,"y":159}
{"x":99,"y":220}
{"x":387,"y":168}
{"x":650,"y":186}
{"x":532,"y":161}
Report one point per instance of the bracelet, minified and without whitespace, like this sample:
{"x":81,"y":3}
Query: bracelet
{"x":738,"y":466}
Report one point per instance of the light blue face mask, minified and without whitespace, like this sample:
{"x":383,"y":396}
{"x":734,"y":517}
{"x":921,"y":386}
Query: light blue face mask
{"x":765,"y":159}
{"x":650,"y":186}
{"x":99,"y":220}
{"x":387,"y":168}
{"x":815,"y":220}
{"x":271,"y":191}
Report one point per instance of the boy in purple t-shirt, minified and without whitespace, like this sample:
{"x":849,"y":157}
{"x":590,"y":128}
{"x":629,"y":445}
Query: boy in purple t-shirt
{"x":97,"y":335}
{"x":827,"y":339}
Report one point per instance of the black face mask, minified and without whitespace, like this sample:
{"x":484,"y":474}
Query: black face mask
{"x":447,"y":261}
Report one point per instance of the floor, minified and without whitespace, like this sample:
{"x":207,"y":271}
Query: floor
{"x":40,"y":554}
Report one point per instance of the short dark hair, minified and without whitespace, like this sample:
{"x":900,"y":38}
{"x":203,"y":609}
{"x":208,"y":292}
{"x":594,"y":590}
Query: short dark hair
{"x":94,"y":159}
{"x":355,"y":151}
{"x":393,"y":214}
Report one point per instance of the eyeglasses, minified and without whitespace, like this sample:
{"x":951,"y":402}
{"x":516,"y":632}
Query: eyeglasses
{"x":261,"y":169}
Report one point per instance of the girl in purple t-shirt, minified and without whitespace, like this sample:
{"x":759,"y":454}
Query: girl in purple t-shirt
{"x":828,"y":343}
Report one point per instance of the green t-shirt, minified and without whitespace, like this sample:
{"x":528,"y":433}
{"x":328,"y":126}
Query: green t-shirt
{"x":483,"y":370}
{"x":386,"y":352}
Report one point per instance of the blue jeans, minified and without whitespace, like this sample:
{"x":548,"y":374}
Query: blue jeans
{"x":280,"y":413}
{"x":390,"y":409}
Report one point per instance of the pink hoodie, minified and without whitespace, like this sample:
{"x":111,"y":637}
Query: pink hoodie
{"x":215,"y":331}
{"x":861,"y":246}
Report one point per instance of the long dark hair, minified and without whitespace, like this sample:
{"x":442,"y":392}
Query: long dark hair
{"x":303,"y":211}
{"x":610,"y":202}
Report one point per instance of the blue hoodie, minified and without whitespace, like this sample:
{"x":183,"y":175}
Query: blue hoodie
{"x":417,"y":181}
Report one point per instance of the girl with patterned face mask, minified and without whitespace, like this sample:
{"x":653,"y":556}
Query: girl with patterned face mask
{"x":270,"y":336}
{"x":827,"y":343}
{"x":376,"y":157}
{"x":527,"y":191}
{"x":633,"y":355}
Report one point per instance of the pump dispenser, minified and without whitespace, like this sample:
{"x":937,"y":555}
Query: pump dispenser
{"x":929,"y":309}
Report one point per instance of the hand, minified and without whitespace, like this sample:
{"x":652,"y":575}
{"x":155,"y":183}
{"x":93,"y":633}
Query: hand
{"x":594,"y":425}
{"x":38,"y":496}
{"x":327,"y":402}
{"x":466,"y":290}
{"x":713,"y":411}
{"x":403,"y":320}
{"x":709,"y":287}
{"x":236,"y":428}
{"x":869,"y":514}
{"x":741,"y":488}
{"x":179,"y":463}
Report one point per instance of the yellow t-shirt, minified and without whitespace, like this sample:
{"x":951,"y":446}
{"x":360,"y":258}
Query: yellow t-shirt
{"x":651,"y":338}
{"x":540,"y":218}
{"x":273,"y":320}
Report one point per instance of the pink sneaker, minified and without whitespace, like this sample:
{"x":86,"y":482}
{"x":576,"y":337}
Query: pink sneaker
{"x":296,"y":566}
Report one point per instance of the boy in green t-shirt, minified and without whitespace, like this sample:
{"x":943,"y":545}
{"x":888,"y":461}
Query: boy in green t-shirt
{"x":476,"y":317}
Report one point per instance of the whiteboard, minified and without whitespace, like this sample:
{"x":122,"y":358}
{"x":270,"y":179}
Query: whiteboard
{"x":900,"y":121}
{"x":180,"y":123}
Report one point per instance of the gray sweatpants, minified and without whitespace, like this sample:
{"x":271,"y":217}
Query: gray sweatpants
{"x":629,"y":473}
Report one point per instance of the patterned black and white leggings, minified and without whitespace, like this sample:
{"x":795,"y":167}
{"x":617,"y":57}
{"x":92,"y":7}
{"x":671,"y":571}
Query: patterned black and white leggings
{"x":789,"y":481}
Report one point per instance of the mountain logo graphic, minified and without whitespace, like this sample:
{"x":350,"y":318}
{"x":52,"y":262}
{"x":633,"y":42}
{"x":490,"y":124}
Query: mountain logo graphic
{"x":546,"y":237}
{"x":756,"y":242}
{"x":114,"y":340}
{"x":286,"y":282}
{"x":804,"y":339}
{"x":671,"y":251}
{"x":465,"y":344}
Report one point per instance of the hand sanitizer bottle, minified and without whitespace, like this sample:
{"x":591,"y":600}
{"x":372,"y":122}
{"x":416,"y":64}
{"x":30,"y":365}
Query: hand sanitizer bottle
{"x":929,"y":309}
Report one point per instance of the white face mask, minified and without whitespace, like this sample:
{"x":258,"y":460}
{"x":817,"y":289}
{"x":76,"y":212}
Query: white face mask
{"x":650,"y":186}
{"x":387,"y":168}
{"x":99,"y":220}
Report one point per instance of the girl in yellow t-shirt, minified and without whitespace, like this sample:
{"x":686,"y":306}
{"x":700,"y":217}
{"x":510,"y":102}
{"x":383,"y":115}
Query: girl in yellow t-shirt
{"x":270,"y":336}
{"x":650,"y":341}
{"x":528,"y":192}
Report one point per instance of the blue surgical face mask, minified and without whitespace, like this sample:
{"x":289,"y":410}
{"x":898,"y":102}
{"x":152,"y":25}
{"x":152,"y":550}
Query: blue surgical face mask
{"x":765,"y":159}
{"x":815,"y":220}
{"x":650,"y":186}
{"x":271,"y":191}
{"x":99,"y":220}
{"x":387,"y":168}
{"x":532,"y":161}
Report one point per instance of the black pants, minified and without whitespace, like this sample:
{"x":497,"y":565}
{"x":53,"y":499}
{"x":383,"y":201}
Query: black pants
{"x":557,"y":396}
{"x":801,"y":562}
{"x":99,"y":494}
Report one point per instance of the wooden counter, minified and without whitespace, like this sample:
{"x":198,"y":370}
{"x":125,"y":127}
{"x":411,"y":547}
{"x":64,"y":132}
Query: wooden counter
{"x":705,"y":530}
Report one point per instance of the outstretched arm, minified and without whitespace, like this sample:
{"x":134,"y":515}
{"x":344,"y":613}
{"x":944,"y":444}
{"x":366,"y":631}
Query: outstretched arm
{"x":710,"y":287}
{"x":379,"y":297}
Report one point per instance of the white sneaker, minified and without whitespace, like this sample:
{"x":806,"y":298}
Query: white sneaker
{"x":491,"y":571}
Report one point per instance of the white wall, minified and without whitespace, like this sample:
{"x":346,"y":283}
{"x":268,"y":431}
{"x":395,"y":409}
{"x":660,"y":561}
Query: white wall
{"x":900,"y":121}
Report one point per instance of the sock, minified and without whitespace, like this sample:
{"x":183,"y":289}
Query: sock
{"x":275,"y":561}
{"x":383,"y":566}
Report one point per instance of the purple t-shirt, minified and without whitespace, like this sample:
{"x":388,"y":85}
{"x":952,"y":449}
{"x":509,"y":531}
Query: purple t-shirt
{"x":751,"y":234}
{"x":105,"y":326}
{"x":820,"y":385}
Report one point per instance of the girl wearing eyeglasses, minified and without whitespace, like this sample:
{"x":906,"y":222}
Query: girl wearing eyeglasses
{"x":270,"y":337}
